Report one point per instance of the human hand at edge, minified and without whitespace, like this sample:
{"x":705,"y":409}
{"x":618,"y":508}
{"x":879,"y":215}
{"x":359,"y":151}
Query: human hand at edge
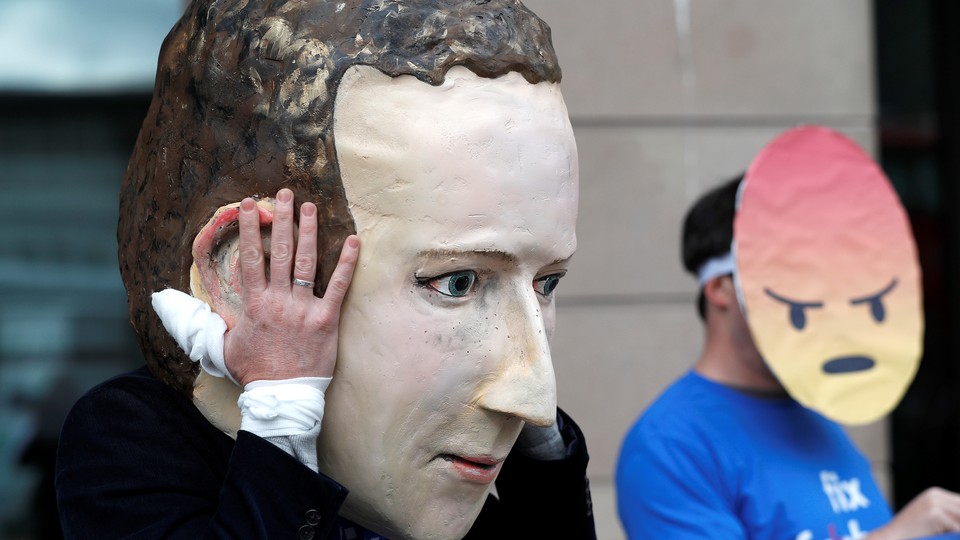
{"x":934,"y":511}
{"x":285,"y":331}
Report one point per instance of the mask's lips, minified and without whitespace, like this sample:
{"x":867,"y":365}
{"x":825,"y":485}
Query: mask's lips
{"x":479,"y":461}
{"x":478,"y":469}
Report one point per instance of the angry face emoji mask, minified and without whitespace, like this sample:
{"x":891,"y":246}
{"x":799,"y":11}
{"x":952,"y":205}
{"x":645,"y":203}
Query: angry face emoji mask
{"x":827,"y":273}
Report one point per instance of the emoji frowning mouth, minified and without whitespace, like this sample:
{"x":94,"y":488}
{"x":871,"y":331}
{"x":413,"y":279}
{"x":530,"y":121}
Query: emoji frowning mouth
{"x":848,"y":364}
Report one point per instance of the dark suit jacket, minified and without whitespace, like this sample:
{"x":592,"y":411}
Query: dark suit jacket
{"x":138,"y":460}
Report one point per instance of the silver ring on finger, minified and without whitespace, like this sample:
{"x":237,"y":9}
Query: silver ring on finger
{"x":303,"y":283}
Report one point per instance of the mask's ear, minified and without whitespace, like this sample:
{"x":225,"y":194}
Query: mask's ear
{"x":215,"y":279}
{"x":215,"y":273}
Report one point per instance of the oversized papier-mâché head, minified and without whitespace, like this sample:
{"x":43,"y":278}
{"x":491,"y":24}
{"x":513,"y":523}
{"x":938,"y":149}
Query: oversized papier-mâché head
{"x":435,"y":130}
{"x":827,"y":273}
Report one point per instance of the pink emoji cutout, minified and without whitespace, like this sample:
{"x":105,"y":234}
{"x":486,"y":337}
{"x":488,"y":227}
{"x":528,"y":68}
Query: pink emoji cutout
{"x":828,"y":276}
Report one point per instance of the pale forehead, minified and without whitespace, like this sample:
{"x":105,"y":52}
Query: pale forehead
{"x":468,"y":117}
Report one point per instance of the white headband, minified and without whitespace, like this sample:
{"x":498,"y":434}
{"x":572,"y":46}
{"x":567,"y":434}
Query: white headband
{"x":718,"y":266}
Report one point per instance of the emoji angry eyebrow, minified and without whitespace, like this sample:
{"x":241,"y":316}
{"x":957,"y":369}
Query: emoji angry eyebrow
{"x":789,"y":302}
{"x":875,"y":296}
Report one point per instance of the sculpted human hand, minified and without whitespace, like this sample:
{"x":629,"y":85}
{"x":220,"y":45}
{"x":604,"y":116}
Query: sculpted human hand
{"x":541,"y":442}
{"x":285,"y":331}
{"x":935,"y":511}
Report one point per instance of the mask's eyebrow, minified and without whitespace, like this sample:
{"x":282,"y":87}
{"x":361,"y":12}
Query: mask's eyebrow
{"x":791,"y":303}
{"x":446,"y":254}
{"x":875,"y":296}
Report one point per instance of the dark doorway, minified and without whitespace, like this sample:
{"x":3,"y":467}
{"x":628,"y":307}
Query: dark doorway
{"x":919,"y":126}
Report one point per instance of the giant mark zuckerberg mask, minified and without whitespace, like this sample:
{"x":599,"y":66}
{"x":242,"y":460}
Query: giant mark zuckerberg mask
{"x":436,"y":131}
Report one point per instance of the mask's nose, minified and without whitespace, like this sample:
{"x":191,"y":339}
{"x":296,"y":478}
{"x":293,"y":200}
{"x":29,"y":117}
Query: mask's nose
{"x":524,"y":384}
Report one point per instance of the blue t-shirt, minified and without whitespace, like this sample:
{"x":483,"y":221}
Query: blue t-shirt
{"x":707,"y":461}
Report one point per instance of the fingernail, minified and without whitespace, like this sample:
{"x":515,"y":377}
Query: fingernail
{"x":285,"y":195}
{"x":247,"y":204}
{"x":308,"y":209}
{"x":353,"y":241}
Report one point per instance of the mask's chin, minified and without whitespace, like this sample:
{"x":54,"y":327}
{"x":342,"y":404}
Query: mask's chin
{"x":432,"y":526}
{"x":426,"y":515}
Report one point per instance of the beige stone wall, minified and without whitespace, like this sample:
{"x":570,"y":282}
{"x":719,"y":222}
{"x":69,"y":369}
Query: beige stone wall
{"x":668,"y":98}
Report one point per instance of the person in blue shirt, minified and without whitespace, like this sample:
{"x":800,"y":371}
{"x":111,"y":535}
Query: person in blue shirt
{"x":726,"y":453}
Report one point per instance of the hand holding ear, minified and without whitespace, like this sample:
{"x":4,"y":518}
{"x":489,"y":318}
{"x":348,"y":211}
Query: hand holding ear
{"x":284,"y":330}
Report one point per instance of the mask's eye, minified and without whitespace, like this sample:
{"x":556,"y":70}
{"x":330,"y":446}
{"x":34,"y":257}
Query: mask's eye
{"x":456,"y":284}
{"x":876,"y":302}
{"x":547,"y":284}
{"x":798,"y":314}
